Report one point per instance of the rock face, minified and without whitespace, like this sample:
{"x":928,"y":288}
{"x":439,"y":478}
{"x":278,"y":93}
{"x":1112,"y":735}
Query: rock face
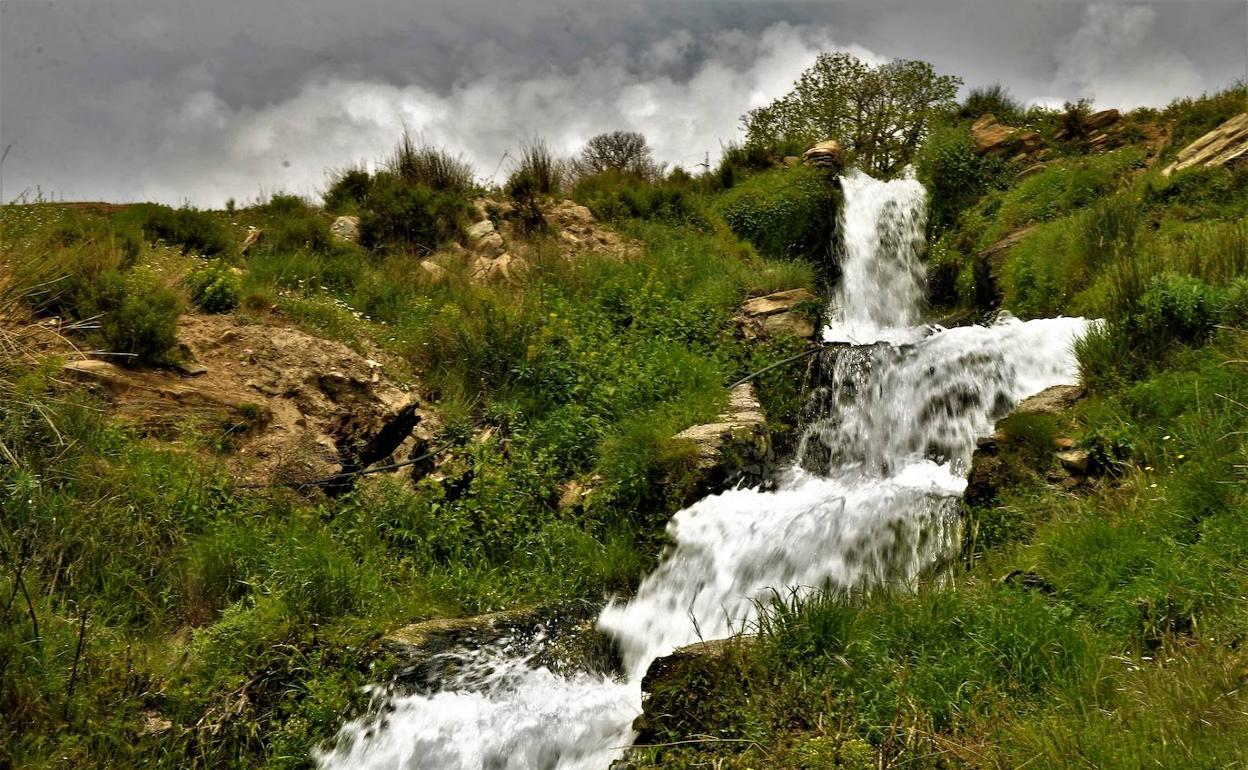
{"x":1226,"y":144}
{"x":995,"y":139}
{"x":775,"y":314}
{"x":293,"y":407}
{"x":828,"y":154}
{"x":736,"y":447}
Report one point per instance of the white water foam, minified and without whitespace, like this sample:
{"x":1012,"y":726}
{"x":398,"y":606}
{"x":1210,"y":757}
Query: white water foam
{"x":873,"y":499}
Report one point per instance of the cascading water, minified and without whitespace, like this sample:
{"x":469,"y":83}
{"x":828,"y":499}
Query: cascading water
{"x":882,"y":279}
{"x":871,"y":498}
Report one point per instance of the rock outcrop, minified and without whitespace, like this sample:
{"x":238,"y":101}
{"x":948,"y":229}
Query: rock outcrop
{"x":500,"y":248}
{"x":775,"y":314}
{"x":346,"y":229}
{"x":677,"y":686}
{"x":1224,"y":145}
{"x":734,"y":448}
{"x":993,"y":138}
{"x":1053,"y":401}
{"x":292,"y":407}
{"x":828,"y":154}
{"x":998,"y":462}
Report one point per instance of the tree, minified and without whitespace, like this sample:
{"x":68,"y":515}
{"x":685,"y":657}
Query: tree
{"x":879,"y":113}
{"x":622,"y":151}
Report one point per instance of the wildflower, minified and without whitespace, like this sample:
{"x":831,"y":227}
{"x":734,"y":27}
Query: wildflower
{"x":1180,"y":457}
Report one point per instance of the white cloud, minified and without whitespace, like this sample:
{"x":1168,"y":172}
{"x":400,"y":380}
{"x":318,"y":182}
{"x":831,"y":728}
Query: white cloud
{"x":205,"y":150}
{"x":1117,"y":58}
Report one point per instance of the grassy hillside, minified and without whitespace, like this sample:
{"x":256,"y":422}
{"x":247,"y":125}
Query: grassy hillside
{"x":158,"y":612}
{"x":1102,"y":627}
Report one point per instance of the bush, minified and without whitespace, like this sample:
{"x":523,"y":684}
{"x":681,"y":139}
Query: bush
{"x":214,"y":288}
{"x":538,"y":169}
{"x":348,"y":191}
{"x":614,"y":196}
{"x":1180,"y":307}
{"x":423,"y":165}
{"x":408,"y":216}
{"x":786,"y":213}
{"x":143,"y":321}
{"x":954,"y":176}
{"x":197,"y":232}
{"x":991,"y":100}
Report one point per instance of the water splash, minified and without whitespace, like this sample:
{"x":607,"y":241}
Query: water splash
{"x":872,"y":498}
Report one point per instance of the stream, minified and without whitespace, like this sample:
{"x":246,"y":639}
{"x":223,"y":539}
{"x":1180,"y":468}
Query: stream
{"x":871,"y":497}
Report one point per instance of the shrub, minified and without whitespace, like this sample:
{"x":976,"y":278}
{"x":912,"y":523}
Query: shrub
{"x":614,"y":196}
{"x":298,"y":228}
{"x":427,"y":166}
{"x":539,"y":169}
{"x":954,"y":176}
{"x":409,"y":216}
{"x":144,"y":321}
{"x":1180,"y":307}
{"x":785,"y":213}
{"x":994,"y":100}
{"x":348,"y":191}
{"x":537,"y":173}
{"x":197,"y":232}
{"x":214,"y":288}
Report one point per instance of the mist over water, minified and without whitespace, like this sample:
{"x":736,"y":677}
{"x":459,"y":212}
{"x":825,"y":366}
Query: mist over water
{"x":871,"y":497}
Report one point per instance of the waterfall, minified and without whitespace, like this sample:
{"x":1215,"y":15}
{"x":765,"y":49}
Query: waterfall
{"x":871,"y":497}
{"x":882,"y":279}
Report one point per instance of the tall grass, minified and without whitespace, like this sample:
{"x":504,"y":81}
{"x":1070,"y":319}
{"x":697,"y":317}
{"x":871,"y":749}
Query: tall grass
{"x":417,"y":163}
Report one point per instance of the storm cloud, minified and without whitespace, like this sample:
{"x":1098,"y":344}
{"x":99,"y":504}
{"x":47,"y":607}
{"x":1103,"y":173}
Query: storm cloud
{"x":199,"y":102}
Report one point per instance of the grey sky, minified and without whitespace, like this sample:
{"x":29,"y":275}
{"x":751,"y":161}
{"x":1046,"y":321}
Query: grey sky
{"x":189,"y":100}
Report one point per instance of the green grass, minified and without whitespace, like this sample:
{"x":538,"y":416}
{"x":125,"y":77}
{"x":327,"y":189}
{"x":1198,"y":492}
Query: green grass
{"x":1096,"y":628}
{"x":250,"y":618}
{"x":1120,"y":648}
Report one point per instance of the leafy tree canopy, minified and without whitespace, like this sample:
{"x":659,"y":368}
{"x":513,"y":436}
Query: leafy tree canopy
{"x":879,"y":113}
{"x":623,"y":151}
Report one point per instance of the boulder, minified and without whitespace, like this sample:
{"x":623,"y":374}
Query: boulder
{"x":777,"y":302}
{"x":254,"y":234}
{"x":1223,"y":145}
{"x":346,"y":229}
{"x":736,"y":447}
{"x":676,"y":687}
{"x":489,"y":245}
{"x":1075,"y":461}
{"x":1103,"y":119}
{"x":435,"y":272}
{"x":480,"y":230}
{"x":826,"y":154}
{"x":791,"y":323}
{"x":504,"y":267}
{"x":1054,"y":400}
{"x":775,"y":314}
{"x":994,"y":138}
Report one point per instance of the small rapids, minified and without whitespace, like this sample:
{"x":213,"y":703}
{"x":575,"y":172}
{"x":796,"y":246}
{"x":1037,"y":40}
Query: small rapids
{"x":872,"y":497}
